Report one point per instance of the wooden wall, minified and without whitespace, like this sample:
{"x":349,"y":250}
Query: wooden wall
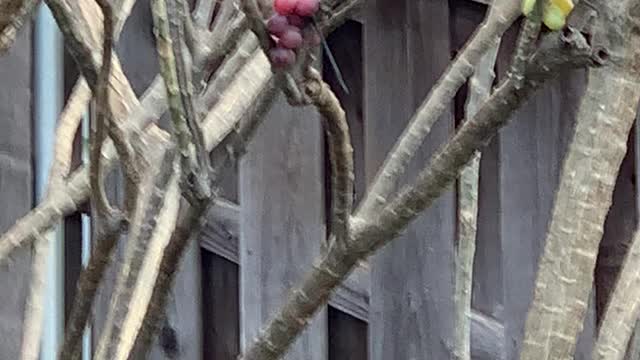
{"x":16,"y":184}
{"x":256,"y":245}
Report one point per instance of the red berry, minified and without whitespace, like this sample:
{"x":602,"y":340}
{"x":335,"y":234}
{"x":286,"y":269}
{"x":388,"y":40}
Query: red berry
{"x":307,"y":7}
{"x":291,"y":38}
{"x":285,"y":7}
{"x":297,"y":21}
{"x":277,"y":24}
{"x":281,"y":57}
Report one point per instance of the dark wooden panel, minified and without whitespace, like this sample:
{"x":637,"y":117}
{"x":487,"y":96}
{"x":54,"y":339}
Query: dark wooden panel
{"x":347,"y":337}
{"x":16,"y":185}
{"x":281,"y":221}
{"x":181,"y":334}
{"x":136,"y":48}
{"x":221,"y":307}
{"x":531,"y":150}
{"x":411,"y":306}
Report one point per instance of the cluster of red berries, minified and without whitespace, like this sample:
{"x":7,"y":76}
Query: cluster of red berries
{"x":288,"y":27}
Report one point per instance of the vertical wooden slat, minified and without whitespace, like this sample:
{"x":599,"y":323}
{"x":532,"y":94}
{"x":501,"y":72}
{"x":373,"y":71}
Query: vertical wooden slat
{"x":221,"y":307}
{"x":411,"y":308}
{"x":16,"y":185}
{"x":531,"y":150}
{"x":281,"y":221}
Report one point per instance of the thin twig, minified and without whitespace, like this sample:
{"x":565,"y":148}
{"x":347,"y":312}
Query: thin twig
{"x":558,"y":53}
{"x":340,"y":153}
{"x":220,"y":44}
{"x":500,"y":17}
{"x":34,"y":308}
{"x":101,"y":208}
{"x":480,"y":85}
{"x":149,"y":274}
{"x":203,"y":13}
{"x":186,"y":128}
{"x":201,"y":168}
{"x":18,"y":15}
{"x":526,"y":43}
{"x":68,"y":124}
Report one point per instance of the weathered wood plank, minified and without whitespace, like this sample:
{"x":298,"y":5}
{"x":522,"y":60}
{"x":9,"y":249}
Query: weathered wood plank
{"x":531,"y":150}
{"x":352,"y":297}
{"x":281,"y":221}
{"x":16,"y":185}
{"x":411,"y":304}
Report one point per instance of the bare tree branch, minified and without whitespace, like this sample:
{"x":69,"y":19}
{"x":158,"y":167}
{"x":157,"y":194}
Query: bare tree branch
{"x":526,"y":44}
{"x":101,"y":209}
{"x":16,"y":15}
{"x":500,"y":17}
{"x":340,"y":153}
{"x":68,"y":124}
{"x":480,"y":85}
{"x":623,"y":309}
{"x":565,"y":276}
{"x":559,"y":52}
{"x":148,"y":277}
{"x":203,"y":12}
{"x":186,"y":128}
{"x":252,"y":89}
{"x":219,"y":43}
{"x":34,"y":308}
{"x":87,"y":287}
{"x":150,"y":204}
{"x":187,"y":229}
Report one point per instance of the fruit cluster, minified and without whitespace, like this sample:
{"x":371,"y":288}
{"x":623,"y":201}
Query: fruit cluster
{"x":288,"y":27}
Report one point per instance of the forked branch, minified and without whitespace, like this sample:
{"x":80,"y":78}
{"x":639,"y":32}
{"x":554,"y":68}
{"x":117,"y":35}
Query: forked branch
{"x":557,"y":53}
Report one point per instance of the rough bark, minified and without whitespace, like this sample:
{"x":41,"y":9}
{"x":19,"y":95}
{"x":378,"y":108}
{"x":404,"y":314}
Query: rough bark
{"x":565,"y":276}
{"x":624,"y":307}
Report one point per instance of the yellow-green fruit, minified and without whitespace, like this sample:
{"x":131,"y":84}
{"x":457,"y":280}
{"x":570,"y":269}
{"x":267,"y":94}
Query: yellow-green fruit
{"x":527,"y":6}
{"x":554,"y":17}
{"x":555,"y":12}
